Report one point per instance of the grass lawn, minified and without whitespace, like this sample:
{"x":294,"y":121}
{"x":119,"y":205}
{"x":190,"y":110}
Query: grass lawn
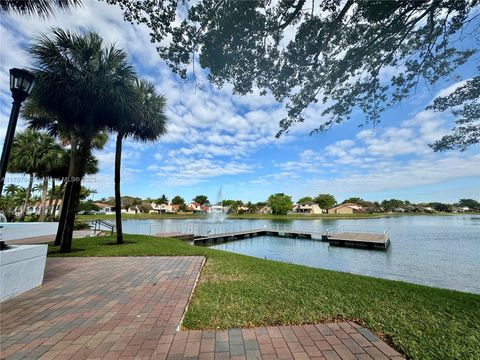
{"x":242,"y":291}
{"x":307,"y":216}
{"x":181,"y":216}
{"x":141,"y":216}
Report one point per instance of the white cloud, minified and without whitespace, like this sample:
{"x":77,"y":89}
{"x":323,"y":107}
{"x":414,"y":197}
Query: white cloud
{"x":182,"y":171}
{"x":397,"y":175}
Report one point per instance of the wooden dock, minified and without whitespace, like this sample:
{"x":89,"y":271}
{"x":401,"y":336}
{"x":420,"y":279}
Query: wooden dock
{"x":378,"y":241}
{"x":176,"y":235}
{"x":227,"y":237}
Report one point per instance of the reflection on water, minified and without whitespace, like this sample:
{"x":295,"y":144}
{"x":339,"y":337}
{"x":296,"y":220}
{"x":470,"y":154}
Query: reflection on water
{"x":440,"y":251}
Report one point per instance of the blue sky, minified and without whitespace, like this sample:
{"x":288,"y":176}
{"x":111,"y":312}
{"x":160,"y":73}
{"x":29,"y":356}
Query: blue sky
{"x":217,"y":139}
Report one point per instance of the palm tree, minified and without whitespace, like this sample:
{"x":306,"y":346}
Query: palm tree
{"x":85,"y":85}
{"x":13,"y":196}
{"x":39,"y":118}
{"x":32,"y":151}
{"x":147,"y":122}
{"x":41,"y":8}
{"x":48,"y":163}
{"x":162,"y":200}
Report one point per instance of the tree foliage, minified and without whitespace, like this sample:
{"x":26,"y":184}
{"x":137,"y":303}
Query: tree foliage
{"x":470,"y":203}
{"x":325,"y":201}
{"x":129,"y":201}
{"x":88,"y":207}
{"x":201,"y":199}
{"x":162,"y":200}
{"x":346,"y":55}
{"x":229,"y":202}
{"x":280,"y":203}
{"x":305,"y":200}
{"x":464,"y":104}
{"x":354,"y":200}
{"x":178,"y":200}
{"x":34,"y":153}
{"x":12,"y":197}
{"x":392,"y":204}
{"x":438,"y":206}
{"x":42,"y":8}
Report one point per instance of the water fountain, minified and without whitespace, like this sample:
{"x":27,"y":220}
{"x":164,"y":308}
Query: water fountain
{"x":218,"y":212}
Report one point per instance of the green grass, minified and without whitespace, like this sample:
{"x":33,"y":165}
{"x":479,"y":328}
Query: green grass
{"x":181,"y":216}
{"x":141,"y":216}
{"x":307,"y":216}
{"x":242,"y":291}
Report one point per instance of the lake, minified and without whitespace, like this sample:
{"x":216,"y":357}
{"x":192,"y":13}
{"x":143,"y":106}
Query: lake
{"x":439,"y":251}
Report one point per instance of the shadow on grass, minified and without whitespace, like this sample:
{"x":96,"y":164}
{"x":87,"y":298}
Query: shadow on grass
{"x":57,"y":251}
{"x":125,"y":242}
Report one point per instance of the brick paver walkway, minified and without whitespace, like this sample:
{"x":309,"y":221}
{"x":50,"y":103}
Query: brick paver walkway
{"x":130,"y":308}
{"x":94,"y":307}
{"x":334,"y":341}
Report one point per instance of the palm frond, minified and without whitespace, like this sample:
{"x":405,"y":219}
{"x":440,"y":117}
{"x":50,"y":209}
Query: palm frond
{"x":81,"y":79}
{"x":41,"y":8}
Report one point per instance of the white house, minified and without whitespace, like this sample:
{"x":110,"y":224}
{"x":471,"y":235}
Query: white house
{"x":243,"y":209}
{"x":34,"y":209}
{"x":265,"y":210}
{"x":197,"y":208}
{"x":162,"y":209}
{"x":218,"y":209}
{"x":135,"y":209}
{"x":105,"y":208}
{"x":307,"y":208}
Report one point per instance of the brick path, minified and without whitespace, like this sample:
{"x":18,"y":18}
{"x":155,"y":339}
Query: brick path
{"x":130,"y":308}
{"x":334,"y":341}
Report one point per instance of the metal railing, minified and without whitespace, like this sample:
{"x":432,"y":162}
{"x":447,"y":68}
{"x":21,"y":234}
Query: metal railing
{"x":386,"y":231}
{"x":98,"y":223}
{"x":204,"y":229}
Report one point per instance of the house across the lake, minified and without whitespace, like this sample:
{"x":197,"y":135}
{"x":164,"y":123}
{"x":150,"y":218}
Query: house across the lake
{"x":105,"y":208}
{"x":307,"y":208}
{"x":34,"y":209}
{"x":265,"y":210}
{"x":347,"y":208}
{"x":198,"y":209}
{"x":243,"y":209}
{"x":162,"y":208}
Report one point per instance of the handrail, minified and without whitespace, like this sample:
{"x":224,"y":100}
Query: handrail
{"x":104,"y":223}
{"x":386,"y":232}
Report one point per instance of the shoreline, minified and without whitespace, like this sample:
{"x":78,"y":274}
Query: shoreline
{"x":187,"y":216}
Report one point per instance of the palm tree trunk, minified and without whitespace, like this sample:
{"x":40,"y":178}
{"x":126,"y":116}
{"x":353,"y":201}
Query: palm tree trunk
{"x":118,"y":197}
{"x":63,"y":213}
{"x":50,"y":200}
{"x":27,"y":198}
{"x":77,"y":169}
{"x":43,"y":202}
{"x":57,"y":198}
{"x":67,"y":192}
{"x":71,"y":211}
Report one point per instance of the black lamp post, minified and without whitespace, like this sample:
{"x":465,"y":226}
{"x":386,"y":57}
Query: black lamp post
{"x":21,"y":85}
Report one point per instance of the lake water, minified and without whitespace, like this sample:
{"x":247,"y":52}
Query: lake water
{"x":439,"y":251}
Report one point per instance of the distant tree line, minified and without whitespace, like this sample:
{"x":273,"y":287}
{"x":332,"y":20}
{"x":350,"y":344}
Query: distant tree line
{"x":281,"y":204}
